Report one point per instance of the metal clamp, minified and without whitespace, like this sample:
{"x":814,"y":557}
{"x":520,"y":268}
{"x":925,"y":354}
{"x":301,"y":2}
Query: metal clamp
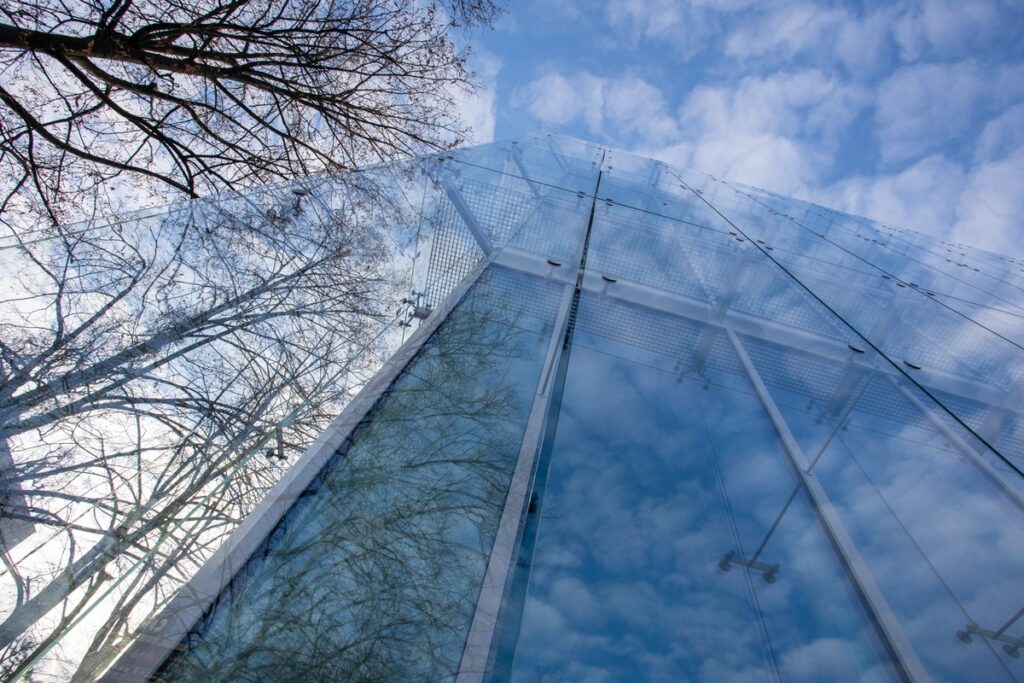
{"x":769,"y":572}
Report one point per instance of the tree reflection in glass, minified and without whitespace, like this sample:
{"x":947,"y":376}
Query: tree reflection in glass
{"x":374,"y":574}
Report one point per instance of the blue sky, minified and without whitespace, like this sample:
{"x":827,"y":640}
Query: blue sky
{"x":911,"y":113}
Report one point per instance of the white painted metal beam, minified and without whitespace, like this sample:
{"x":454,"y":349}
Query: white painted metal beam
{"x":473,"y":666}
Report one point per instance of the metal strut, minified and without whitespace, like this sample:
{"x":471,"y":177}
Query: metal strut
{"x":1011,"y":645}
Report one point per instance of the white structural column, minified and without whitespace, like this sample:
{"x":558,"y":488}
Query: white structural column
{"x":857,"y":569}
{"x":482,"y":630}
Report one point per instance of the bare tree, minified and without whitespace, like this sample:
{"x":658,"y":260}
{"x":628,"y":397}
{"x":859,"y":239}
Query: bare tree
{"x":150,"y":364}
{"x":147,"y":366}
{"x":196,"y":96}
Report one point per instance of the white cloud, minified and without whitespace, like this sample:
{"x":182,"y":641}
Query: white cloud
{"x":557,"y":100}
{"x":764,"y":160}
{"x":947,"y":27}
{"x":922,"y":197}
{"x":804,"y":103}
{"x":478,"y":110}
{"x":686,"y":27}
{"x":563,"y":10}
{"x":777,"y":131}
{"x":627,"y":108}
{"x":826,"y":659}
{"x":921,"y":107}
{"x":991,"y":205}
{"x":645,"y":18}
{"x":980,"y":204}
{"x":638,"y":108}
{"x":861,"y":44}
{"x":1005,"y":132}
{"x":926,"y":107}
{"x":860,"y":40}
{"x":827,"y":34}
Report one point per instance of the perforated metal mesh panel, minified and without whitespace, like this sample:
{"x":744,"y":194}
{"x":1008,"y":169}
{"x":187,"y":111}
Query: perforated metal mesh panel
{"x":453,"y":254}
{"x":508,"y":211}
{"x":811,"y":376}
{"x":536,"y":297}
{"x":661,"y":253}
{"x":687,"y":347}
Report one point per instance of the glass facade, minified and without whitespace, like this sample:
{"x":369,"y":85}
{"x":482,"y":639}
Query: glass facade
{"x":656,"y":426}
{"x":409,"y":508}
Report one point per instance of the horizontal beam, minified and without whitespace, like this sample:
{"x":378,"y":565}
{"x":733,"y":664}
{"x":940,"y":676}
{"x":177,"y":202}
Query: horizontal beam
{"x":804,"y":341}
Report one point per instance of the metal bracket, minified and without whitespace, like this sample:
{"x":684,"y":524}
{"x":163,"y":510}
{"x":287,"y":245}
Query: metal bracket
{"x":769,"y":572}
{"x":1011,"y":645}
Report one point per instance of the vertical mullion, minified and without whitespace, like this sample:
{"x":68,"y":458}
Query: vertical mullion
{"x":499,"y":564}
{"x":483,"y":628}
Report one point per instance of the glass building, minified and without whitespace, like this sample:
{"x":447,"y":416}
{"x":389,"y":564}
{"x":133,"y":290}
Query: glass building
{"x":652,"y":425}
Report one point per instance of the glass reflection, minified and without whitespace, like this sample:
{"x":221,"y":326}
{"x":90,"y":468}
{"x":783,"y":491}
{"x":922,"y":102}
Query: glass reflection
{"x":663,"y":477}
{"x":677,"y":541}
{"x":952,"y":314}
{"x":373,"y":574}
{"x":943,"y":538}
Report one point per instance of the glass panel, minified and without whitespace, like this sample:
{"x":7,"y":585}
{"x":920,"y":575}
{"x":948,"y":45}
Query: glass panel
{"x":703,"y":263}
{"x":532,"y":196}
{"x":505,"y":217}
{"x":958,"y":269}
{"x":952,"y":335}
{"x":943,"y":539}
{"x":688,"y":524}
{"x":374,"y":573}
{"x":540,"y":160}
{"x":675,"y":540}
